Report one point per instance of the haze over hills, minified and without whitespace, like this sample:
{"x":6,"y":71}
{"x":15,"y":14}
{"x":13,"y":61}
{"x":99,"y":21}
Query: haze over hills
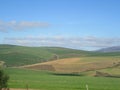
{"x":110,"y":49}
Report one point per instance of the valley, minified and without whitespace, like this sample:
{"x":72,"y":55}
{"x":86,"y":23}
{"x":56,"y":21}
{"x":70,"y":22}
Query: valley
{"x":55,"y":68}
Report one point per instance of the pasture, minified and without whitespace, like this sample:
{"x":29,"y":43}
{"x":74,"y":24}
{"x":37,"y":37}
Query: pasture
{"x":43,"y":80}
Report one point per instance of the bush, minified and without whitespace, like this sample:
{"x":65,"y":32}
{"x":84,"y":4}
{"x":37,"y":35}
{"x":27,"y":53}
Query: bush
{"x":3,"y":80}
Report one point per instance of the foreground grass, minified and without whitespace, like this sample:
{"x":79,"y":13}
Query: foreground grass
{"x":48,"y":81}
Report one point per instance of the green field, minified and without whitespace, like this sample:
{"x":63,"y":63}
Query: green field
{"x":42,"y":80}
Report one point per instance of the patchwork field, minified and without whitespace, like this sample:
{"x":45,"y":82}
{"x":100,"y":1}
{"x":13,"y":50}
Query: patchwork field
{"x":14,"y":55}
{"x":73,"y":65}
{"x":53,"y":68}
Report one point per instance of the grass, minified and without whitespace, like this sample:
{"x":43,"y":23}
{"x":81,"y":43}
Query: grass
{"x":18,"y":55}
{"x":48,"y":81}
{"x":115,"y":71}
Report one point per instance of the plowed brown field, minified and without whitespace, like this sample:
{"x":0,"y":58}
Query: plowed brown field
{"x":71,"y":65}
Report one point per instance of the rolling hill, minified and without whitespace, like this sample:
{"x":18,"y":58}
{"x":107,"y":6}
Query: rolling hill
{"x":14,"y":55}
{"x":71,"y":69}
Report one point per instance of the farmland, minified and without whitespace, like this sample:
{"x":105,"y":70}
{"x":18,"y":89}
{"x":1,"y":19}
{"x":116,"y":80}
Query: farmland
{"x":57,"y":80}
{"x":59,"y":44}
{"x":43,"y":80}
{"x":14,"y":55}
{"x":74,"y":65}
{"x":36,"y":68}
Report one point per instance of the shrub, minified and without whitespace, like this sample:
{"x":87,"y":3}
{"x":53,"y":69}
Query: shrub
{"x":3,"y":80}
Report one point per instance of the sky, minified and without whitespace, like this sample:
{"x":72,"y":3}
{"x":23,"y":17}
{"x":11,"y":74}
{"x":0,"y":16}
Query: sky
{"x":77,"y":24}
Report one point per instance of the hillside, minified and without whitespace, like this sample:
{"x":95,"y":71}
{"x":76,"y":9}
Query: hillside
{"x":14,"y":55}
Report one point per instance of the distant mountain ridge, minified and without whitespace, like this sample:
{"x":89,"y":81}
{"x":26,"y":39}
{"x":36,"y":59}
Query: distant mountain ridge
{"x":110,"y":49}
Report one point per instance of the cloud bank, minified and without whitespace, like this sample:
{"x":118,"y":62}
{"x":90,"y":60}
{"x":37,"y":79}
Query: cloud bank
{"x":88,"y":42}
{"x":22,"y":25}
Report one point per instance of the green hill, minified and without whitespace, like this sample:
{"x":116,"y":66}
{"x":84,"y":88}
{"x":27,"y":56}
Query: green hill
{"x":14,"y":55}
{"x":19,"y":55}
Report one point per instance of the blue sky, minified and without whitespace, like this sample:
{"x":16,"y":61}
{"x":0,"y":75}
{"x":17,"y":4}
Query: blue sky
{"x":79,"y":24}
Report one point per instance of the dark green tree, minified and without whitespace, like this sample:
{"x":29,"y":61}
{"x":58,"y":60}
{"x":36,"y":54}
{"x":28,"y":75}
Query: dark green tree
{"x":3,"y":80}
{"x":55,"y":57}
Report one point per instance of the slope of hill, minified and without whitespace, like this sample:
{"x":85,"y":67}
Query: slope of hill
{"x":14,"y":55}
{"x":110,"y":49}
{"x":17,"y":55}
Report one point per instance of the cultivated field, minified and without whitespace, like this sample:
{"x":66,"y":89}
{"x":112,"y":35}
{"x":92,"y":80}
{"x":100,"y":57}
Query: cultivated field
{"x":42,"y":80}
{"x":38,"y":68}
{"x":74,"y":65}
{"x":14,"y":56}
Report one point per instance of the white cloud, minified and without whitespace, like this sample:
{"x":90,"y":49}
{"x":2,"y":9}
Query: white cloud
{"x":14,"y":25}
{"x":70,"y":42}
